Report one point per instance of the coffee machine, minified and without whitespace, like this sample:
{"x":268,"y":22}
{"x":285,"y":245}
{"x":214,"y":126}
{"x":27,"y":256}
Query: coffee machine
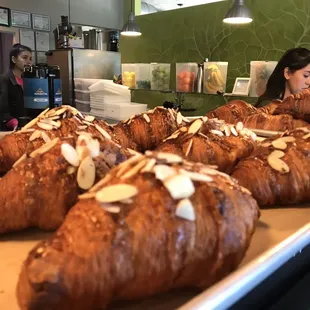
{"x":62,"y":33}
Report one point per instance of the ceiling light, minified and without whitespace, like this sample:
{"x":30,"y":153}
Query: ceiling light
{"x":238,"y":14}
{"x":131,"y":29}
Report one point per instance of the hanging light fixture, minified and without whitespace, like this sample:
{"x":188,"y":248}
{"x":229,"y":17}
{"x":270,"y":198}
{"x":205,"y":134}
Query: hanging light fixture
{"x":131,"y":28}
{"x":238,"y":14}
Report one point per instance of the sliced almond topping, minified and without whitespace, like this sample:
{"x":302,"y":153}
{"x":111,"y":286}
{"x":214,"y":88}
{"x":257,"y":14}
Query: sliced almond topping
{"x":134,"y":170}
{"x":61,"y":111}
{"x":185,"y":210}
{"x":70,"y":154}
{"x":54,"y":118}
{"x":217,"y":132}
{"x":276,"y":163}
{"x":183,"y":129}
{"x":116,"y":193}
{"x":149,"y":166}
{"x":86,"y":173}
{"x":44,"y":148}
{"x":27,"y":130}
{"x":45,"y":137}
{"x":266,"y":144}
{"x":20,"y":160}
{"x":195,"y":126}
{"x":245,"y":190}
{"x":288,"y":139}
{"x":278,"y":154}
{"x":87,"y":195}
{"x":169,"y":157}
{"x":186,"y":120}
{"x":89,"y":118}
{"x":173,"y":136}
{"x":233,"y":131}
{"x":304,"y":129}
{"x":111,"y":209}
{"x":239,"y":126}
{"x":279,"y":144}
{"x":202,"y":135}
{"x":126,"y":164}
{"x":227,"y":131}
{"x":36,"y":134}
{"x":146,"y":117}
{"x":306,"y":136}
{"x":71,"y":170}
{"x":101,"y":183}
{"x":189,"y":148}
{"x":132,"y":152}
{"x":179,"y":118}
{"x":103,"y":132}
{"x":45,"y":126}
{"x":30,"y":124}
{"x":179,"y":186}
{"x":88,"y":123}
{"x":195,"y":176}
{"x":163,"y":172}
{"x":56,"y":124}
{"x":205,"y":119}
{"x":82,"y":127}
{"x":43,"y":113}
{"x":94,"y":147}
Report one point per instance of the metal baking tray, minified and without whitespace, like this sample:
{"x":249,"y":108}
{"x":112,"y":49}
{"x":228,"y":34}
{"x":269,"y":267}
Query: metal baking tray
{"x":280,"y":233}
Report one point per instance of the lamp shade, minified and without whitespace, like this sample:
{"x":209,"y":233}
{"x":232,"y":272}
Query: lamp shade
{"x":238,"y":14}
{"x":131,"y":28}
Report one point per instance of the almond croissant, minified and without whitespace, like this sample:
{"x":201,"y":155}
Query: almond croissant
{"x":38,"y":191}
{"x":211,"y":142}
{"x":60,"y":122}
{"x":153,"y":224}
{"x":278,"y":171}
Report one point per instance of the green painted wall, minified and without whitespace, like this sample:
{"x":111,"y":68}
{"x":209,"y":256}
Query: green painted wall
{"x":195,"y":33}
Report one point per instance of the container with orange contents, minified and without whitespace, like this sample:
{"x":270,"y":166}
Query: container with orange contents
{"x":185,"y":76}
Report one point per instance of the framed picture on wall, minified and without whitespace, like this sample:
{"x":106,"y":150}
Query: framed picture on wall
{"x":41,"y":22}
{"x":242,"y":86}
{"x":20,"y":19}
{"x":4,"y":16}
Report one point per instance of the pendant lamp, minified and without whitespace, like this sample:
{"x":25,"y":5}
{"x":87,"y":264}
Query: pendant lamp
{"x":238,"y":14}
{"x":131,"y":28}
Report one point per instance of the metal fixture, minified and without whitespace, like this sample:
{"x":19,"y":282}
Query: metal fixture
{"x":238,"y":14}
{"x":131,"y":29}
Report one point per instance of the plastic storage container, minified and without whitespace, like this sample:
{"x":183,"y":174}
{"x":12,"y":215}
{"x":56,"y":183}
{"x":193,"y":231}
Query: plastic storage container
{"x":143,"y":76}
{"x":82,"y":95}
{"x":83,"y":106}
{"x":259,"y":74}
{"x":160,"y":74}
{"x":215,"y":77}
{"x":185,"y":76}
{"x":83,"y":84}
{"x":129,"y":75}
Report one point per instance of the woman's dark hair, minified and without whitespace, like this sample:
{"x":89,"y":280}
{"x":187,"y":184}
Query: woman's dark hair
{"x":294,"y":59}
{"x":16,"y":50}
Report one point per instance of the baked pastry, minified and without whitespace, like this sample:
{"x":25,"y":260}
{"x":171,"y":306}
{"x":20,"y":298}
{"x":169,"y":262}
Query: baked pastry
{"x":297,"y":105}
{"x":212,"y":142}
{"x":233,"y":112}
{"x":153,"y":224}
{"x":278,"y":171}
{"x":38,"y":191}
{"x":149,"y":129}
{"x":65,"y":121}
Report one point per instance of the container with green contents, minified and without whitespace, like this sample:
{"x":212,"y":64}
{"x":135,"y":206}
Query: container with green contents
{"x":160,"y":74}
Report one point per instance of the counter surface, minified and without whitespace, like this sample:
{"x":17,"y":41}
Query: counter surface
{"x":274,"y":226}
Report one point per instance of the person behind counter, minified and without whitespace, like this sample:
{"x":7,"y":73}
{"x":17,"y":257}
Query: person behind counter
{"x":290,"y":76}
{"x":11,"y":87}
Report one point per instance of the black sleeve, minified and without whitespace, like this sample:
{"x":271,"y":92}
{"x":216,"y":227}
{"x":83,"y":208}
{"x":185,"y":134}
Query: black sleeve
{"x":4,"y":102}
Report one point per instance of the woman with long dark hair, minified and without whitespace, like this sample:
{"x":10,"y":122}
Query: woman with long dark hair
{"x":290,"y":76}
{"x":11,"y":86}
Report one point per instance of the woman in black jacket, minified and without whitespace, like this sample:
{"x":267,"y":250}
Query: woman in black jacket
{"x":11,"y":87}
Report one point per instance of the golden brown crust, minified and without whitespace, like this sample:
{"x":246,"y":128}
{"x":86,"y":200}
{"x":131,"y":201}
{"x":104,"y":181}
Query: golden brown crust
{"x":146,"y":248}
{"x":271,"y":187}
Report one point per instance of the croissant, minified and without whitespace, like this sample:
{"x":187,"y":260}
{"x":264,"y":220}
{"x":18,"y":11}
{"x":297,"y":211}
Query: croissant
{"x":297,"y":105}
{"x":60,"y":122}
{"x":39,"y":190}
{"x":233,"y":112}
{"x":278,"y":171}
{"x":153,"y":224}
{"x":147,"y":130}
{"x":211,"y":142}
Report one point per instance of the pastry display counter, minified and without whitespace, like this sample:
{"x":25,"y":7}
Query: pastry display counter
{"x":280,"y":234}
